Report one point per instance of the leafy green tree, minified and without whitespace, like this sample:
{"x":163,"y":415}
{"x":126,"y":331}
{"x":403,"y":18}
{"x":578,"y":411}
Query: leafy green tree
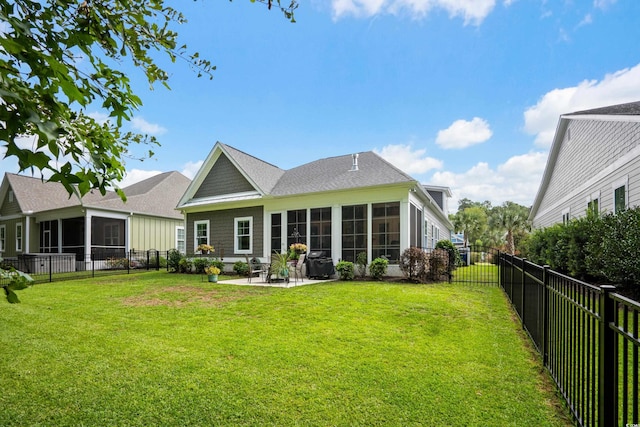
{"x":58,"y":58}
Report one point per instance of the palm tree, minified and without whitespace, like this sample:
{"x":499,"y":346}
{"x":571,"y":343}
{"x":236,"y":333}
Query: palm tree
{"x":509,"y":219}
{"x":472,"y":222}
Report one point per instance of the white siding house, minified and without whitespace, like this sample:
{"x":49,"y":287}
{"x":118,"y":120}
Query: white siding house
{"x":594,"y":163}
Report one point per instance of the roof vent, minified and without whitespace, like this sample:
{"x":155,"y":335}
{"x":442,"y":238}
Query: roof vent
{"x":354,"y":166}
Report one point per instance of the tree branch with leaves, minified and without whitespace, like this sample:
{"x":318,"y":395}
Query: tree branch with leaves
{"x":59,"y":58}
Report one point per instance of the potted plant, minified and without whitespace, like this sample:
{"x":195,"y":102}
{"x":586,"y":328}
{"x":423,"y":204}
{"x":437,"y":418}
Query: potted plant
{"x":204,"y":249}
{"x":279,"y":265}
{"x":296,"y":249}
{"x":212,"y":273}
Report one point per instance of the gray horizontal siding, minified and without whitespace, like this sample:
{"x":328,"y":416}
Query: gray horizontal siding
{"x":221,"y":230}
{"x":223,"y":178}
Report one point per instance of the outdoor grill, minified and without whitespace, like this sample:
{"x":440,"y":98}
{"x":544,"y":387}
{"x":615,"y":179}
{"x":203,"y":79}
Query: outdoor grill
{"x":319,"y":265}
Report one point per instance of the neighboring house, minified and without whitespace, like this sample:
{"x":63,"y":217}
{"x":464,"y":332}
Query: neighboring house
{"x":594,"y":163}
{"x":40,"y":217}
{"x":343,"y":205}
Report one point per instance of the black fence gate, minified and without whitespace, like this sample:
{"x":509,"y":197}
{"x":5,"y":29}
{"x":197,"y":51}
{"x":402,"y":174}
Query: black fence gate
{"x":478,"y":265}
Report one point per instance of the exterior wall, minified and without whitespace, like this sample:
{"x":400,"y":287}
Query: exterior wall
{"x":10,"y":239}
{"x":153,"y":233}
{"x":223,"y":178}
{"x":221,"y":231}
{"x":598,"y":155}
{"x":10,"y":207}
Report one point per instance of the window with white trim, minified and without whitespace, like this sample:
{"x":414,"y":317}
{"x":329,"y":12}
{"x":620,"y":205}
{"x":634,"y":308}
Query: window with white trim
{"x":200,"y":233}
{"x":620,"y":198}
{"x":19,"y":237}
{"x":112,"y":234}
{"x":243,"y":235}
{"x":593,"y":203}
{"x":3,"y":234}
{"x":181,"y":242}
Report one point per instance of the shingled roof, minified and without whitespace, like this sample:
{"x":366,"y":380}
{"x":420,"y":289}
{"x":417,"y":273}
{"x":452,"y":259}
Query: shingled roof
{"x":628,"y":109}
{"x":156,"y":196}
{"x":336,"y":173}
{"x":263,"y":174}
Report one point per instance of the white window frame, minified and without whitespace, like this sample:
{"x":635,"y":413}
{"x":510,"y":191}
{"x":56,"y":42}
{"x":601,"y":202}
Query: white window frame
{"x":566,"y":216}
{"x":19,"y":237}
{"x":3,"y":236}
{"x":10,"y":196}
{"x":592,"y":197}
{"x":236,"y":236}
{"x":111,"y":238}
{"x":196,"y":242}
{"x":624,"y":182}
{"x":181,"y":244}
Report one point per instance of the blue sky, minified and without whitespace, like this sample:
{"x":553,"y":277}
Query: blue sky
{"x":459,"y":93}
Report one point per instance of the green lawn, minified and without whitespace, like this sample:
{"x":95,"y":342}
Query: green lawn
{"x":166,"y":349}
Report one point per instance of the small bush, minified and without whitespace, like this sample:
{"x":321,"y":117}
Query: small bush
{"x":184,"y":265}
{"x":438,"y":264}
{"x":241,"y":267}
{"x":454,"y":254}
{"x":414,"y":264}
{"x":345,"y":270}
{"x":200,"y":264}
{"x":378,"y":268}
{"x":173,"y":260}
{"x":361,"y":264}
{"x":218,"y":264}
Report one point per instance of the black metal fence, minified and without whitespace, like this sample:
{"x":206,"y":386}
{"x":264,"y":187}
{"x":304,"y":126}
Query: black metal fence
{"x":54,"y":267}
{"x":588,"y":337}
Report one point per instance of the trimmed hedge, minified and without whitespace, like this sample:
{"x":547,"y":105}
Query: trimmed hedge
{"x":602,"y":249}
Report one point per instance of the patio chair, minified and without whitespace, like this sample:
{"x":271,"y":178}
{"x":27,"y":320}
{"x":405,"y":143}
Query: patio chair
{"x":297,"y":271}
{"x":255,"y":266}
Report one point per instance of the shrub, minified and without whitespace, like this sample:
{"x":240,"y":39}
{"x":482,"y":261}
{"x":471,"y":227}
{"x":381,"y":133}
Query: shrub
{"x":218,"y":264}
{"x":174,"y":257}
{"x":454,"y":254}
{"x":241,"y":267}
{"x":378,"y":268}
{"x":414,"y":264}
{"x":200,"y":264}
{"x":345,"y":270}
{"x":184,"y":265}
{"x":438,"y":264}
{"x":361,"y":264}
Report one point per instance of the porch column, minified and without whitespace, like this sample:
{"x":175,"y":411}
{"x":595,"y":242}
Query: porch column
{"x":59,"y":236}
{"x":27,"y":235}
{"x":87,"y":240}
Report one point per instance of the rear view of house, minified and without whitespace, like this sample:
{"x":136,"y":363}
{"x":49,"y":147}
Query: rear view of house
{"x":338,"y":206}
{"x":40,"y":217}
{"x":594,"y":164}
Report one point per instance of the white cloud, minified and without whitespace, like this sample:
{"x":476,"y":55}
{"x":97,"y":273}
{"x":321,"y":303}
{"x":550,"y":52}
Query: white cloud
{"x":616,"y":88}
{"x":588,"y":19}
{"x":516,"y":180}
{"x":472,"y":11}
{"x":140,"y":124}
{"x":191,"y":168}
{"x":99,"y":117}
{"x":603,"y":4}
{"x":463,"y":133}
{"x":408,"y":160}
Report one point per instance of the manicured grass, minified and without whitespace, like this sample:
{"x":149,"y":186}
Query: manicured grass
{"x":166,"y":349}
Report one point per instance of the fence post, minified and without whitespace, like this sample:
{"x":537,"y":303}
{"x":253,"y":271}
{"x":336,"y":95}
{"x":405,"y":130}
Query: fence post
{"x":50,"y":268}
{"x":524,"y":281}
{"x":545,"y":315}
{"x":608,"y":357}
